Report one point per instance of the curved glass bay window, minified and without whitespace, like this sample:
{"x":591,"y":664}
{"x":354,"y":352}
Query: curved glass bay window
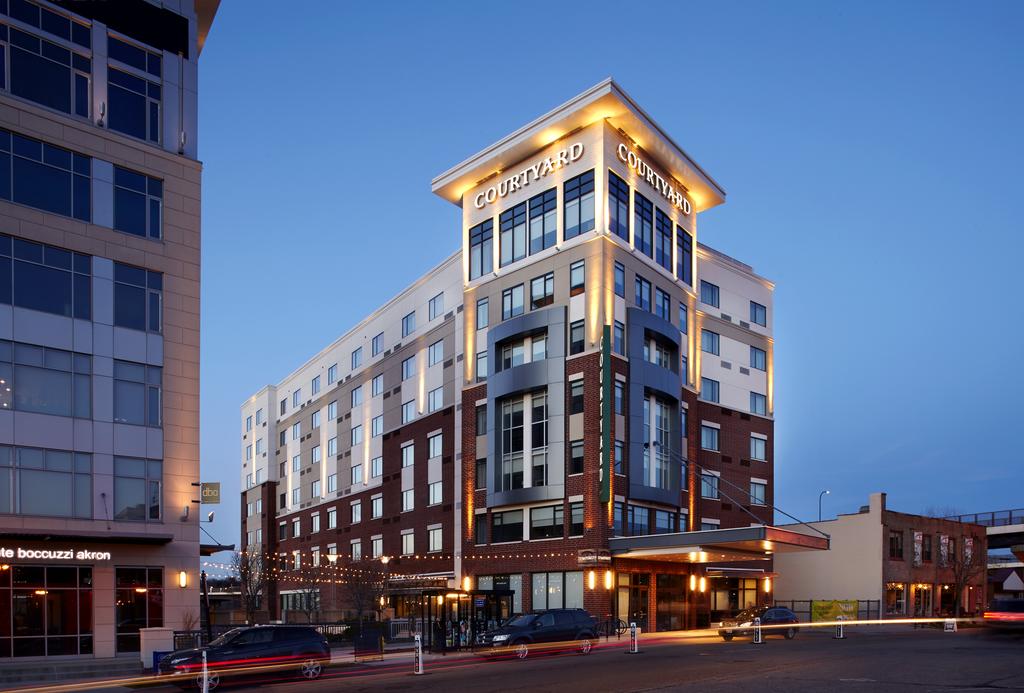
{"x":657,"y":440}
{"x":45,"y":611}
{"x":524,"y":421}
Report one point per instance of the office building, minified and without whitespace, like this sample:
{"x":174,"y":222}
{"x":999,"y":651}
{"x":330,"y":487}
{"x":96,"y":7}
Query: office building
{"x":99,"y":323}
{"x":603,"y":397}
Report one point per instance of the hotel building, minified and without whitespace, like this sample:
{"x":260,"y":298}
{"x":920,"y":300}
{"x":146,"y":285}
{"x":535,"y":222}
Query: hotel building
{"x":99,"y":323}
{"x":575,"y":407}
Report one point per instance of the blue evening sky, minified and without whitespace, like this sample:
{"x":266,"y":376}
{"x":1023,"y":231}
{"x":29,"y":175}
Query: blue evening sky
{"x":871,"y":153}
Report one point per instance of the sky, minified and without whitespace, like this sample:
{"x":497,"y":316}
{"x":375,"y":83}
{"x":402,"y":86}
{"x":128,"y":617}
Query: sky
{"x":870,"y":152}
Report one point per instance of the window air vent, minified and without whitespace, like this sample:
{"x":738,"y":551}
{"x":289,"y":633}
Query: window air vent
{"x":448,"y":363}
{"x":309,"y":401}
{"x":449,"y":314}
{"x":386,"y":395}
{"x":244,"y":436}
{"x":396,"y":390}
{"x":745,"y":417}
{"x":347,"y":491}
{"x":458,"y":309}
{"x":264,"y":454}
{"x":744,"y":371}
{"x":726,"y":365}
{"x":727,"y":459}
{"x":348,"y":415}
{"x":744,"y":463}
{"x":458,"y":358}
{"x":726,"y":317}
{"x":744,"y":323}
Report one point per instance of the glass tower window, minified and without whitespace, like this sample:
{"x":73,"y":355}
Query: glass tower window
{"x":138,"y":203}
{"x":46,"y":177}
{"x":578,"y":199}
{"x":134,"y":100}
{"x":44,"y":72}
{"x":49,"y":483}
{"x":684,"y":256}
{"x":512,"y":229}
{"x":618,"y":206}
{"x":45,"y":278}
{"x":481,"y":259}
{"x":137,"y":489}
{"x":663,"y":240}
{"x":45,"y":381}
{"x":643,"y":224}
{"x":138,"y":298}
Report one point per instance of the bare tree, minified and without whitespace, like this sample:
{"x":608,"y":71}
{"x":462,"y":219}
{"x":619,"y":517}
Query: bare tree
{"x":966,"y":563}
{"x":941,"y":511}
{"x":253,"y":571}
{"x":306,"y":583}
{"x":363,"y":586}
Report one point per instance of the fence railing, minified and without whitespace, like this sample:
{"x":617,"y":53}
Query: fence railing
{"x":867,"y":609}
{"x":996,"y":518}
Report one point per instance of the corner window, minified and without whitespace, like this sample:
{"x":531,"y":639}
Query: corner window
{"x":137,"y":489}
{"x":663,"y":240}
{"x":758,"y":358}
{"x":134,"y":101}
{"x":758,"y":449}
{"x":758,"y":404}
{"x":45,"y":278}
{"x":481,"y":258}
{"x":138,"y":203}
{"x":44,"y":72}
{"x":577,"y":278}
{"x":578,"y":201}
{"x":758,"y":492}
{"x":138,"y":298}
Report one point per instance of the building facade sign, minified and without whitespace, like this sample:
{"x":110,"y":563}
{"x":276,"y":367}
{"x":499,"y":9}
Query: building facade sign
{"x":538,"y":170}
{"x":24,"y":554}
{"x":210,"y":491}
{"x":664,"y":187}
{"x":918,"y":539}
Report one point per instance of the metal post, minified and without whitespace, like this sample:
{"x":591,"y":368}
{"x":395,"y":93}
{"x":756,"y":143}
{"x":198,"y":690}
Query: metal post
{"x":417,"y":653}
{"x":839,"y":628}
{"x":206,"y":606}
{"x":206,"y":675}
{"x":634,"y":642}
{"x":758,"y":638}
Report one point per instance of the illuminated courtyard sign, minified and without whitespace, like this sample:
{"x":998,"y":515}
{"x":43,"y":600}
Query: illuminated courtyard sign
{"x":667,"y":190}
{"x":542,"y":168}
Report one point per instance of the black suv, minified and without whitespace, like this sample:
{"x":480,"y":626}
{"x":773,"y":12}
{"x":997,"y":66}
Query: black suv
{"x":250,"y":650}
{"x":782,"y":622}
{"x":553,"y":625}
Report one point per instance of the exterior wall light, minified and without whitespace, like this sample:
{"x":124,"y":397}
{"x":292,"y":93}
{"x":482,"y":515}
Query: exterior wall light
{"x":703,"y":585}
{"x":592,"y":579}
{"x":609,"y":579}
{"x":693,"y":582}
{"x":182,"y":579}
{"x":467,"y":583}
{"x":767,"y":585}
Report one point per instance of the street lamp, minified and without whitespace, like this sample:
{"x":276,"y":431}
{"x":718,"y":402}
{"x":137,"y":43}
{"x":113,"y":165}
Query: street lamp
{"x":820,"y":496}
{"x":333,"y":558}
{"x":384,"y":561}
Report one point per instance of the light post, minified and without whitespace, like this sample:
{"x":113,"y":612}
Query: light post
{"x":333,"y":558}
{"x":384,"y":560}
{"x":820,"y":496}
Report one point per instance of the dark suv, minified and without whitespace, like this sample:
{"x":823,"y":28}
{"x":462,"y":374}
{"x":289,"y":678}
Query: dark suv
{"x":553,"y":625}
{"x":250,"y":650}
{"x":782,"y":622}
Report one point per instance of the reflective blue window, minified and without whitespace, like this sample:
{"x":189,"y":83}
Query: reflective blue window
{"x":138,"y":298}
{"x":43,"y":176}
{"x":45,"y":278}
{"x":46,"y":73}
{"x":543,"y":220}
{"x":138,"y":203}
{"x":578,"y":199}
{"x":481,"y":259}
{"x":663,"y":240}
{"x":134,"y":105}
{"x":684,"y":256}
{"x":618,"y":206}
{"x":643,"y":224}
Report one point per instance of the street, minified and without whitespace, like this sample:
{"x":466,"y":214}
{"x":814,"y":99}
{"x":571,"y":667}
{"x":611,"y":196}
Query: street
{"x":893,"y":659}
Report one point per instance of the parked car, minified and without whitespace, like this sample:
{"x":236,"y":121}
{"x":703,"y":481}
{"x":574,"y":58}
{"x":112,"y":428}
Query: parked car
{"x":520,"y":633}
{"x":743,"y":623}
{"x":244,"y":650}
{"x":1005,"y":614}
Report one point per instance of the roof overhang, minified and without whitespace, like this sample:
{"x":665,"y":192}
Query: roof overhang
{"x":605,"y":101}
{"x":205,"y":10}
{"x":210,"y":549}
{"x":716,"y":545}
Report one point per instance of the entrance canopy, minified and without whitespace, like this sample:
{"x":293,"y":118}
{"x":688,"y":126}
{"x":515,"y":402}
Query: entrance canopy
{"x":715,"y":545}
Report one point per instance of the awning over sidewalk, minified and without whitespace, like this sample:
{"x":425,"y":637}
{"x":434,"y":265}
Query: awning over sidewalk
{"x":715,"y":545}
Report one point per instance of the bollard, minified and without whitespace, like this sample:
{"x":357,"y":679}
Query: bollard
{"x":206,"y":675}
{"x":634,"y":642}
{"x":417,"y":655}
{"x":949,"y":625}
{"x":839,"y":628}
{"x":758,"y":638}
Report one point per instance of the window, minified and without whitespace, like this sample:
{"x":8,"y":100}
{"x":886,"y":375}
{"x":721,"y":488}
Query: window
{"x":248,"y":456}
{"x":357,"y":435}
{"x":895,"y":545}
{"x":576,"y":520}
{"x":53,"y":381}
{"x":577,"y":278}
{"x":259,"y":446}
{"x":282,"y":530}
{"x":664,"y":522}
{"x":435,"y":353}
{"x":480,"y":530}
{"x":408,"y":543}
{"x":576,"y":397}
{"x":296,"y":430}
{"x":709,"y":293}
{"x":315,"y":493}
{"x":512,"y":302}
{"x":643,"y":224}
{"x":408,"y":367}
{"x":638,"y":520}
{"x":576,"y":457}
{"x":480,"y":479}
{"x":356,"y":550}
{"x":409,"y":324}
{"x":356,"y":396}
{"x":332,"y":483}
{"x":376,"y":467}
{"x":481,"y":257}
{"x":619,"y":338}
{"x":643,"y":293}
{"x":758,"y":490}
{"x":542,"y":291}
{"x":435,"y":306}
{"x":709,"y":390}
{"x":619,"y":390}
{"x":926,"y":548}
{"x":281,"y":438}
{"x":708,"y":486}
{"x":377,"y":426}
{"x":58,"y":483}
{"x":259,"y":416}
{"x":332,"y":519}
{"x":435,"y":399}
{"x":284,"y":407}
{"x":662,"y":305}
{"x":315,"y":420}
{"x":481,"y":366}
{"x":709,"y":438}
{"x":578,"y":201}
{"x":435,"y":443}
{"x":663,"y":239}
{"x":332,"y":410}
{"x":408,"y":500}
{"x":758,"y":359}
{"x":435,"y":491}
{"x":296,"y":463}
{"x":332,"y":374}
{"x":356,"y":358}
{"x":555,"y":590}
{"x":138,"y":295}
{"x":138,"y":203}
{"x":408,"y":411}
{"x":377,"y":344}
{"x":619,"y":457}
{"x":618,"y":207}
{"x":684,"y":256}
{"x":576,"y":337}
{"x":758,"y":314}
{"x":134,"y":102}
{"x":683,"y":327}
{"x":434,"y":539}
{"x":547,"y":523}
{"x":376,"y":507}
{"x":709,"y":342}
{"x":377,"y":385}
{"x":538,"y":347}
{"x":408,"y":455}
{"x":508,"y":526}
{"x":543,"y":220}
{"x":513,"y":354}
{"x":482,"y":317}
{"x":620,"y":280}
{"x":758,"y":404}
{"x":758,"y":449}
{"x":45,"y":72}
{"x":137,"y":489}
{"x":296,"y":398}
{"x":512,"y":230}
{"x":139,"y":597}
{"x":356,"y":511}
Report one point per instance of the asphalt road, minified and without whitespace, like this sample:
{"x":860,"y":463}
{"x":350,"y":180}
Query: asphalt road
{"x":887,"y":660}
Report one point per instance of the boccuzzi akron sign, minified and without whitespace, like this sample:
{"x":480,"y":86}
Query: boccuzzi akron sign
{"x":53,"y":554}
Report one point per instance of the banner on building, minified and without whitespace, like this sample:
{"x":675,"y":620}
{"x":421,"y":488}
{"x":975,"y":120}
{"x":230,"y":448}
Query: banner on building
{"x":918,"y":539}
{"x":968,"y":550}
{"x":832,"y":609}
{"x":943,"y":550}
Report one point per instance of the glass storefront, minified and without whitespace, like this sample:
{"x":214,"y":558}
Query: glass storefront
{"x":140,"y":604}
{"x":632,"y":598}
{"x":670,"y":597}
{"x":895,"y":599}
{"x":922,"y":600}
{"x":45,"y":611}
{"x":729,"y":596}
